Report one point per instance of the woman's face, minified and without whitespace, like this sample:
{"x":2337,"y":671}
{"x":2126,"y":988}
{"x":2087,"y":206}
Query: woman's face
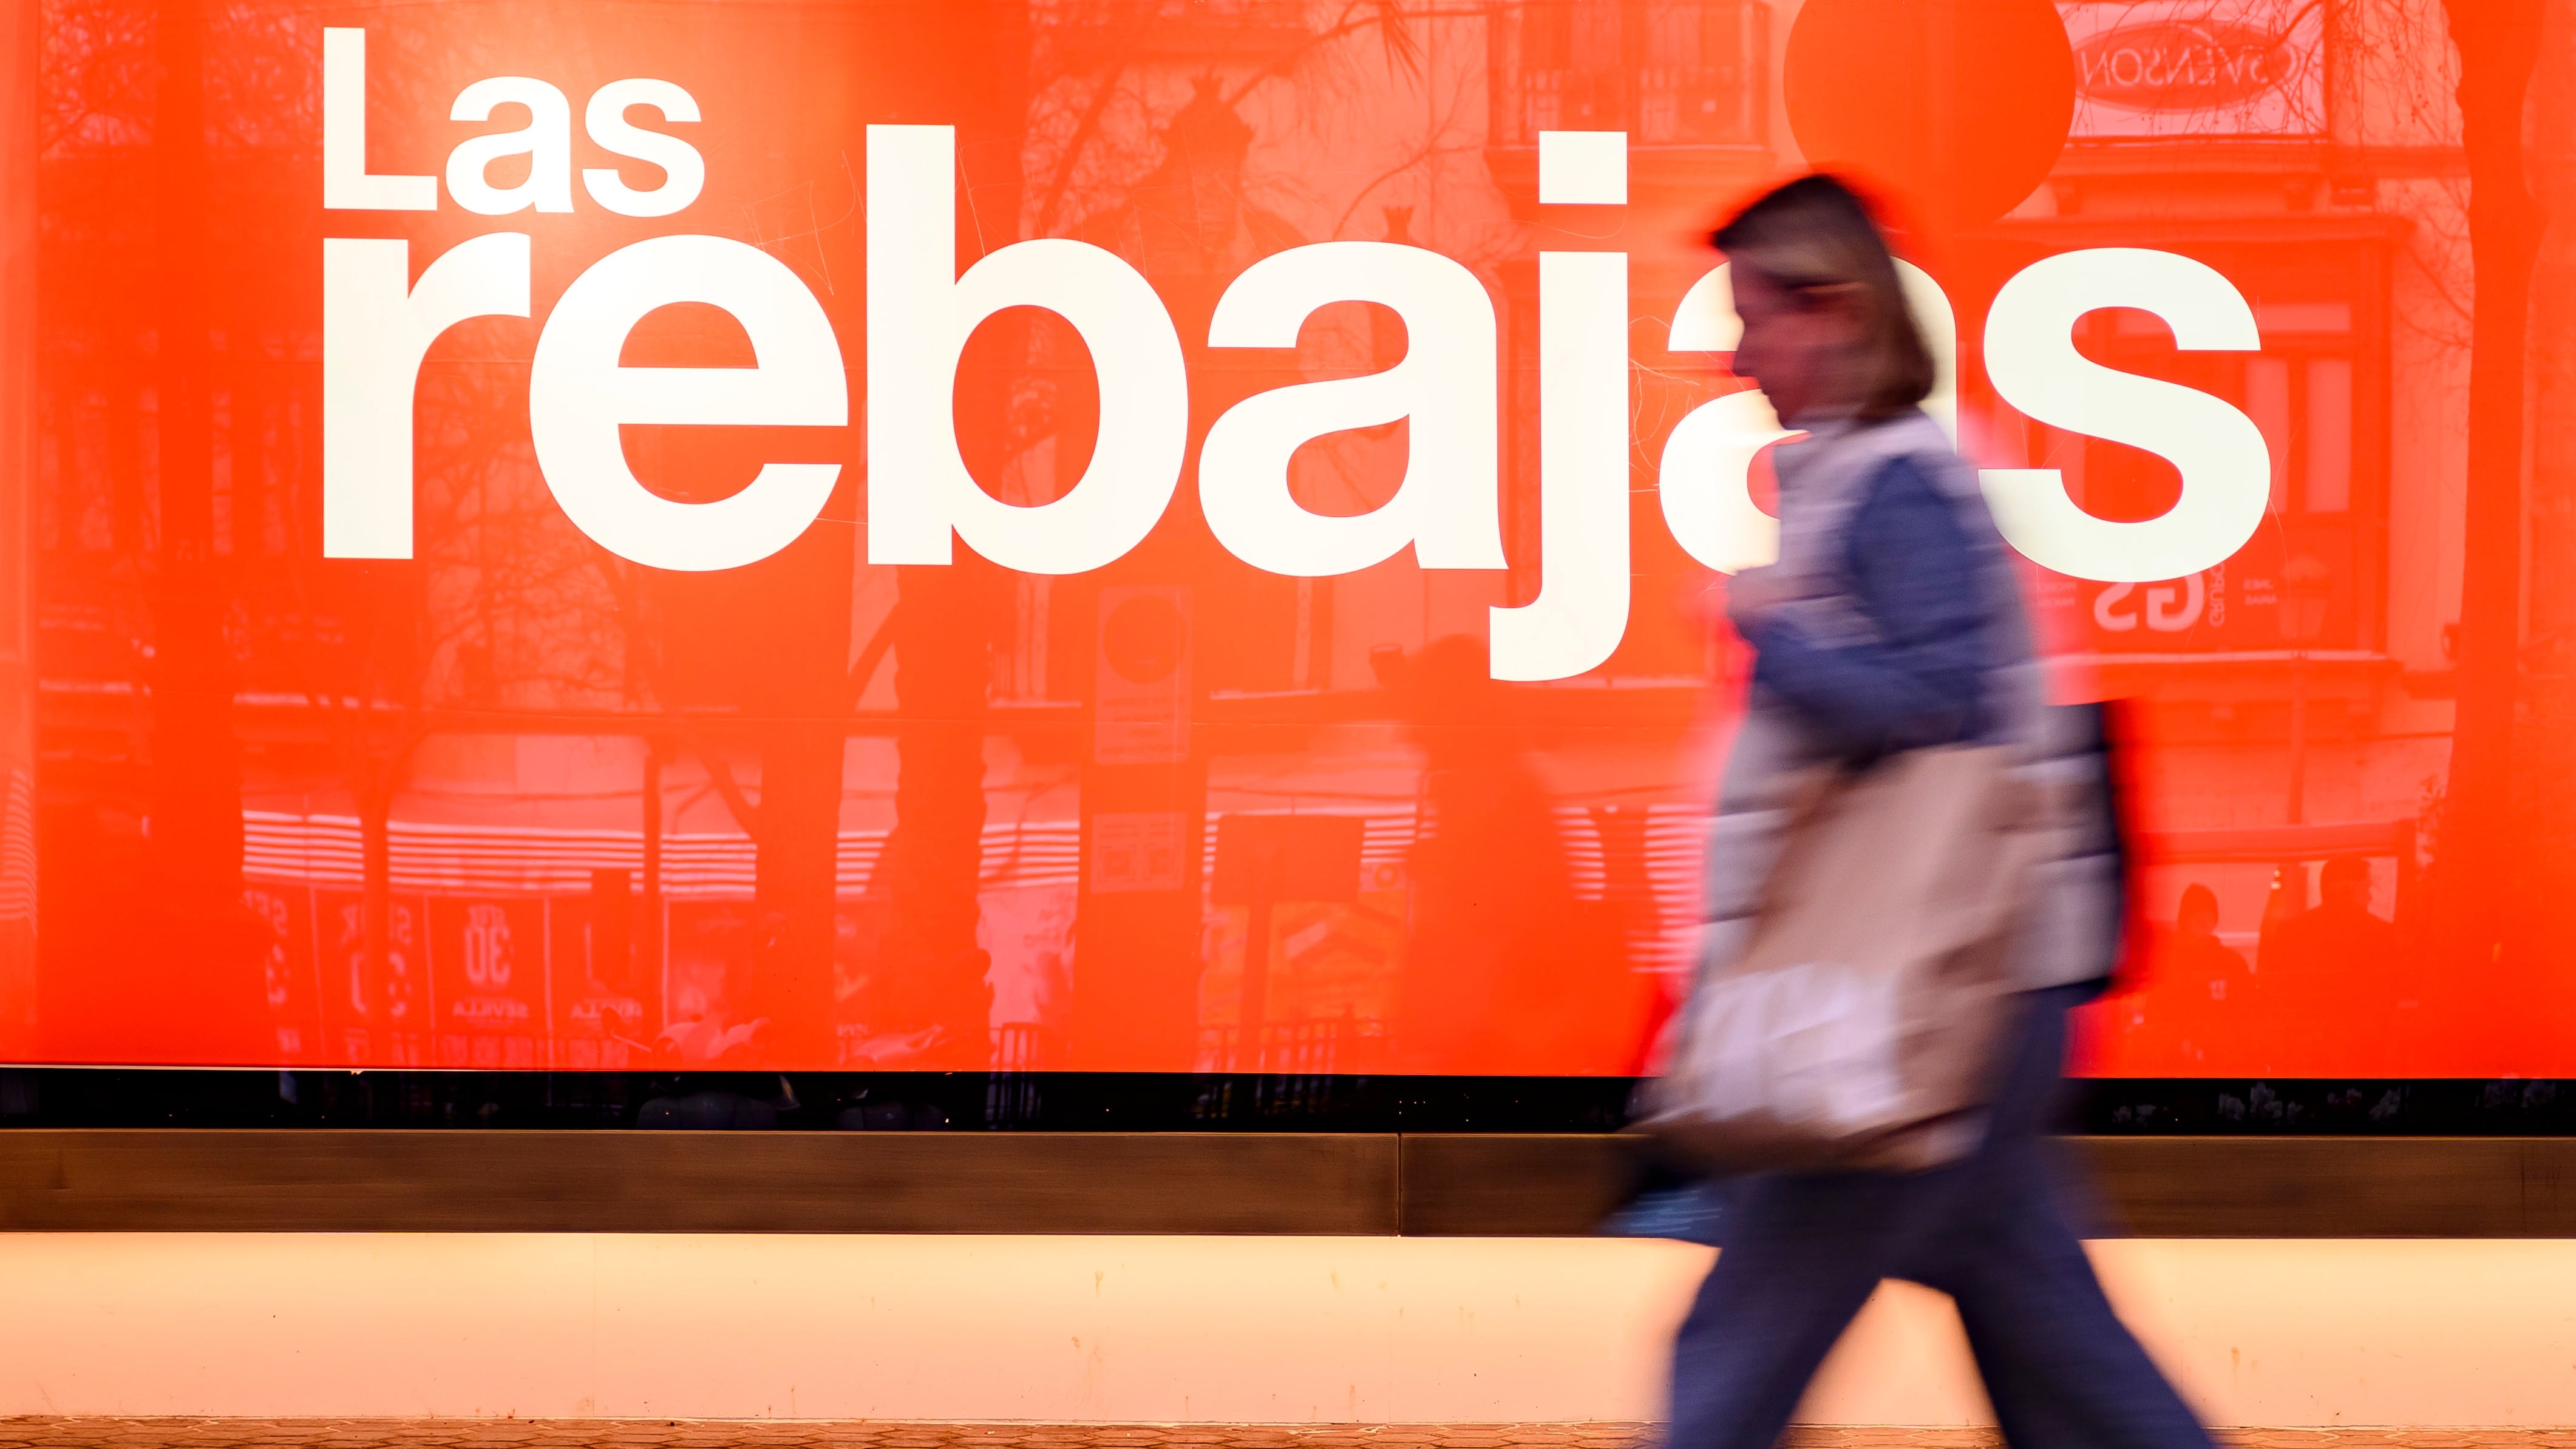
{"x":1802,"y":351}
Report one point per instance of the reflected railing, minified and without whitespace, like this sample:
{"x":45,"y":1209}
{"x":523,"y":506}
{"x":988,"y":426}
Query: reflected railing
{"x":1303,"y":1068}
{"x":1668,"y":72}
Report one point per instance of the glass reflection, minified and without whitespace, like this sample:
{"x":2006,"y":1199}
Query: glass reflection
{"x":516,"y":802}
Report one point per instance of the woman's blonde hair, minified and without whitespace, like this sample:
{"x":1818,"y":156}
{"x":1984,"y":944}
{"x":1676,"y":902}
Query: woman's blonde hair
{"x":1814,"y":238}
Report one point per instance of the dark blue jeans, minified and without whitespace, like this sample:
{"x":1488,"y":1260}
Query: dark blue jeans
{"x":1802,"y":1252}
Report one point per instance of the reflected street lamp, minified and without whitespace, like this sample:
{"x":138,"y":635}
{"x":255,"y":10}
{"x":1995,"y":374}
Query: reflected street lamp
{"x":2305,"y":583}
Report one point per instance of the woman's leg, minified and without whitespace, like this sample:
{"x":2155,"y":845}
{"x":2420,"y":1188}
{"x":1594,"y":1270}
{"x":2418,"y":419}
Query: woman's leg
{"x":1801,"y":1256}
{"x":2060,"y":1367}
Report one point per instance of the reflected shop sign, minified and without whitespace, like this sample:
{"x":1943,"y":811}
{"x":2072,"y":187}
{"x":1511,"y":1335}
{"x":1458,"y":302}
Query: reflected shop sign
{"x":1167,"y":535}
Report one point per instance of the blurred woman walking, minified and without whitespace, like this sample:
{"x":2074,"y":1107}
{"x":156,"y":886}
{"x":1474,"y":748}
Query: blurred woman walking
{"x":1891,"y":623}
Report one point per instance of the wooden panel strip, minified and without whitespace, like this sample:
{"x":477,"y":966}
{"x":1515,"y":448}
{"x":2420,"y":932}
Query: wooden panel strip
{"x":2328,"y":1187}
{"x":978,"y":1182}
{"x":1509,"y":1185}
{"x":2164,"y":1187}
{"x":698,"y":1182}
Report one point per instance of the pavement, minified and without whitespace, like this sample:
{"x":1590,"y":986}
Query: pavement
{"x":175,"y":1433}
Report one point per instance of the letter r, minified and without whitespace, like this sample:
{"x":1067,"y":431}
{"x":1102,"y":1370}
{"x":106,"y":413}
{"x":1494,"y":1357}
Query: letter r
{"x":375,"y":331}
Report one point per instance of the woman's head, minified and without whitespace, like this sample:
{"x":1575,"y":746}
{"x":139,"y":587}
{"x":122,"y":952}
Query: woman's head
{"x":2197,"y":914}
{"x":1826,"y":330}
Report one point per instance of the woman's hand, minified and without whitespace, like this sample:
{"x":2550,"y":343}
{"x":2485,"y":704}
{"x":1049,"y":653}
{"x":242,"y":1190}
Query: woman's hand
{"x":1754,"y":593}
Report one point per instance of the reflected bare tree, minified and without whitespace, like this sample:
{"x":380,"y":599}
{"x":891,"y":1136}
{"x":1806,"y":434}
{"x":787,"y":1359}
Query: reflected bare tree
{"x":2498,"y":42}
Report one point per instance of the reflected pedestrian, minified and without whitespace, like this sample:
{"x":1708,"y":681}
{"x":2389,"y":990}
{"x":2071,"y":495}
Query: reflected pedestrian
{"x":1506,"y":967}
{"x":2335,"y":967}
{"x":2203,"y":990}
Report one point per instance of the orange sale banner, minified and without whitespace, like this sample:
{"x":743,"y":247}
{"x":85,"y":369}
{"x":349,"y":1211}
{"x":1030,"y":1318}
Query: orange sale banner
{"x":1191,"y":535}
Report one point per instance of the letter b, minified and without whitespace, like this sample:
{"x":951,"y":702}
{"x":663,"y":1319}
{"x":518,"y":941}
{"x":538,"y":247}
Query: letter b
{"x":920,"y":314}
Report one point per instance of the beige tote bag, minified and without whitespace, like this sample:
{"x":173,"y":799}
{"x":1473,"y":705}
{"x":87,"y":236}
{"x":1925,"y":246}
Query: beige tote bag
{"x":1860,"y":1029}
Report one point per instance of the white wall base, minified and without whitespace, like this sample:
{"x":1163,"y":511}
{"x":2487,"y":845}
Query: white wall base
{"x":1177,"y":1329}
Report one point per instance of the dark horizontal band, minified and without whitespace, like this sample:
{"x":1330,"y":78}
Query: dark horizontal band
{"x":588,"y":1101}
{"x":1069,"y":1182}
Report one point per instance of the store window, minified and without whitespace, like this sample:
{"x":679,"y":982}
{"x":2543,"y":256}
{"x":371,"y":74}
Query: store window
{"x":923,"y":717}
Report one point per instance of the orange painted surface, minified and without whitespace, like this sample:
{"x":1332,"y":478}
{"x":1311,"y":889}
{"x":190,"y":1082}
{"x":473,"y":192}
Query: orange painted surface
{"x":745,"y":665}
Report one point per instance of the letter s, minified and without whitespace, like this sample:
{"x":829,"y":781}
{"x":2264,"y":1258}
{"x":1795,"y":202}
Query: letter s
{"x":2031,"y":357}
{"x":684,"y":171}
